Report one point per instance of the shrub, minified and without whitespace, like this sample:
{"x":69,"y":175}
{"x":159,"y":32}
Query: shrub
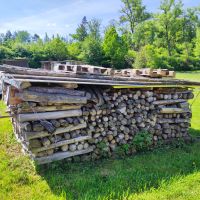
{"x":142,"y":141}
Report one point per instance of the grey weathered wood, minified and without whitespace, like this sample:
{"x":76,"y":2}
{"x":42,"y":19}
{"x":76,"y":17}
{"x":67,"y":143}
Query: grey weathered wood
{"x":32,"y":135}
{"x":61,"y":155}
{"x":51,"y":98}
{"x":57,"y":90}
{"x":49,"y":115}
{"x":165,"y":102}
{"x":61,"y":143}
{"x":48,"y":108}
{"x":173,"y":110}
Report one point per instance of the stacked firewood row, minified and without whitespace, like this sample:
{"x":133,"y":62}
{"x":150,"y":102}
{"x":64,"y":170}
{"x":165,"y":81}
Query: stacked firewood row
{"x":53,"y":122}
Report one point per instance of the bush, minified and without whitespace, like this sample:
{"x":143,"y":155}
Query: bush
{"x":142,"y":141}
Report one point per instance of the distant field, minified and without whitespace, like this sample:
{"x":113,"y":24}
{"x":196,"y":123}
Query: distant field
{"x":194,"y":76}
{"x":167,"y":174}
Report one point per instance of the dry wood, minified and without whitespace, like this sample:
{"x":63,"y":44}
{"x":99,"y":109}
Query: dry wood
{"x":61,"y":143}
{"x":32,"y":135}
{"x":48,"y":108}
{"x":61,"y":155}
{"x":165,"y":102}
{"x":51,"y":98}
{"x":173,"y":110}
{"x":49,"y":115}
{"x":57,"y":90}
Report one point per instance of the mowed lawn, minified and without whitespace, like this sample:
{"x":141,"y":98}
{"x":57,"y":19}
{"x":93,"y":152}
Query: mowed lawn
{"x":167,"y":174}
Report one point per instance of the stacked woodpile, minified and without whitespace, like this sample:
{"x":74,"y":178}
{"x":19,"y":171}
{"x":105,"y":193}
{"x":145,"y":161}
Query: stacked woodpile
{"x":55,"y":121}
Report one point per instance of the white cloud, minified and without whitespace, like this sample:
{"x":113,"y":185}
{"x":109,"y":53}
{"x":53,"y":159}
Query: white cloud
{"x":64,"y":19}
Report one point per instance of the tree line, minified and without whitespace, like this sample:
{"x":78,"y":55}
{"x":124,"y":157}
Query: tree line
{"x":169,"y":38}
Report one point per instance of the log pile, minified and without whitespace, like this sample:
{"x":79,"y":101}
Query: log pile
{"x":78,"y":121}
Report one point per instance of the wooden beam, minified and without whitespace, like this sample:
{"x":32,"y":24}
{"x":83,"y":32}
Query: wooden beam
{"x":172,"y":121}
{"x":34,"y":135}
{"x":166,"y":102}
{"x":57,"y":90}
{"x":51,"y":98}
{"x":174,"y":110}
{"x":39,"y":109}
{"x":48,"y":115}
{"x":19,"y":84}
{"x":61,"y":143}
{"x":61,"y":155}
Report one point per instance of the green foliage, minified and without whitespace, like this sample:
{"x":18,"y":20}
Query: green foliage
{"x":56,"y":49}
{"x":133,"y":13}
{"x":92,"y":51}
{"x":142,"y":141}
{"x":114,"y":48}
{"x":197,"y":44}
{"x":5,"y":52}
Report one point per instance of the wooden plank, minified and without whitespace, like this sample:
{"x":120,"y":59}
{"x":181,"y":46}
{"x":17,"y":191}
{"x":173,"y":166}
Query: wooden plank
{"x":16,"y":83}
{"x":39,"y":109}
{"x":48,"y":115}
{"x":51,"y":98}
{"x":172,"y":121}
{"x":173,"y":110}
{"x":61,"y":155}
{"x":166,"y":102}
{"x":34,"y":135}
{"x":57,"y":90}
{"x":61,"y":143}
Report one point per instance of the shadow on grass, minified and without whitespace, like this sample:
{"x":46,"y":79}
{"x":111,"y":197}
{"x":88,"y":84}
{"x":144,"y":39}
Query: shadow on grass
{"x":113,"y":178}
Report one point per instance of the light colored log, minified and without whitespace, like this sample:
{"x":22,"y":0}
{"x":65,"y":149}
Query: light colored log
{"x":61,"y":155}
{"x":173,"y":110}
{"x":49,"y":115}
{"x":51,"y":98}
{"x":32,"y":135}
{"x":165,"y":102}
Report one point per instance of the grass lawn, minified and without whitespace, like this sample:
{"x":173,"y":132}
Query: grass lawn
{"x":167,"y":174}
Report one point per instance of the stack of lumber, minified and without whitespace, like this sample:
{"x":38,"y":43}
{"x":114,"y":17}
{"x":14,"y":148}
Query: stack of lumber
{"x":59,"y":115}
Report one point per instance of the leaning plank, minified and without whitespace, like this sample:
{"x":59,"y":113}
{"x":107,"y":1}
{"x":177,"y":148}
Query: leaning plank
{"x":165,"y":102}
{"x":48,"y":108}
{"x":33,"y":135}
{"x":173,"y":110}
{"x":49,"y":115}
{"x":61,"y":155}
{"x":51,"y":98}
{"x":61,"y":143}
{"x":58,"y":90}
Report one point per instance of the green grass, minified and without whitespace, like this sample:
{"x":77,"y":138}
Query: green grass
{"x":167,"y":174}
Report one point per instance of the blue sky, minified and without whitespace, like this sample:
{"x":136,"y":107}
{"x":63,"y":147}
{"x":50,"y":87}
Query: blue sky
{"x":62,"y":16}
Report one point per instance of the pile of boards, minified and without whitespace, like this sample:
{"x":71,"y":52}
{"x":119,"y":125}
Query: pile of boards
{"x":57,"y":116}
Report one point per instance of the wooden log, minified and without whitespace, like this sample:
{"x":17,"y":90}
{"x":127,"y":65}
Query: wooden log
{"x":32,"y":135}
{"x":61,"y":143}
{"x":61,"y":155}
{"x":48,"y":108}
{"x":166,"y":102}
{"x":49,"y":115}
{"x":51,"y":98}
{"x":57,"y":90}
{"x":174,"y":110}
